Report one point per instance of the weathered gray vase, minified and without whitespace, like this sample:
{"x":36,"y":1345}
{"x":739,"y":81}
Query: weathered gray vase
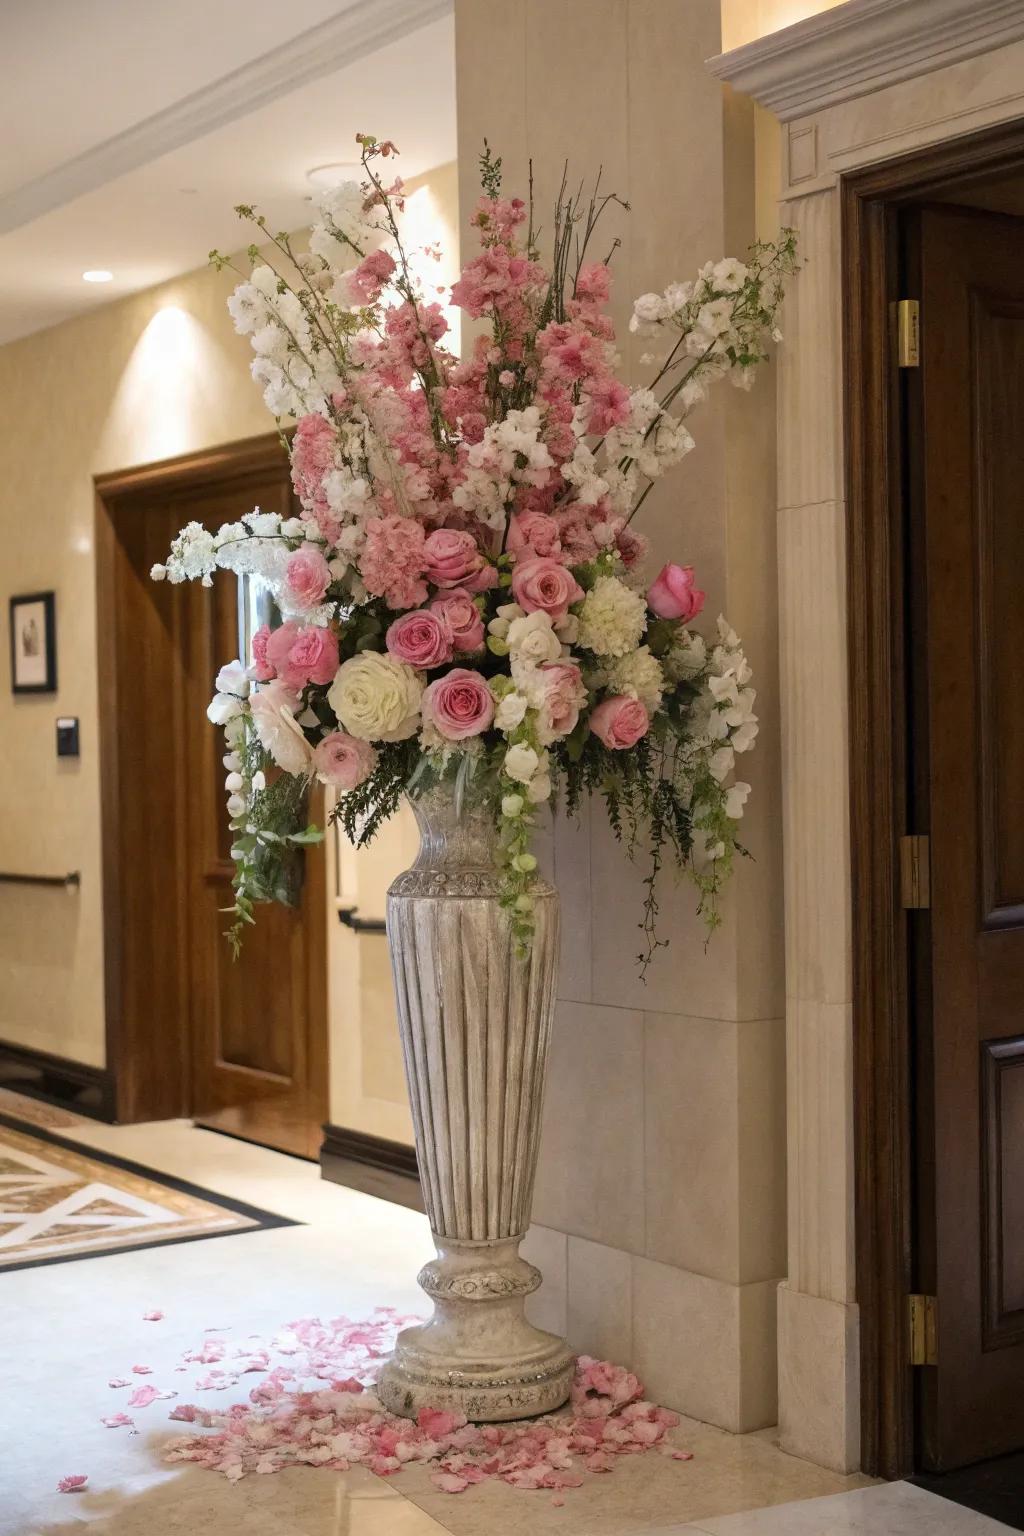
{"x":475,"y":1020}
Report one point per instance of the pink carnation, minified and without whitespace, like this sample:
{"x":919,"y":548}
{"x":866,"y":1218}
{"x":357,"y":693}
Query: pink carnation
{"x":594,"y":283}
{"x":344,"y":761}
{"x":308,"y":576}
{"x":533,"y":533}
{"x":421,"y":638}
{"x":620,"y":722}
{"x":610,"y":404}
{"x":261,"y":664}
{"x":545,"y":586}
{"x":672,"y":594}
{"x":302,"y":655}
{"x":458,"y":705}
{"x":462,"y":617}
{"x":393,"y":561}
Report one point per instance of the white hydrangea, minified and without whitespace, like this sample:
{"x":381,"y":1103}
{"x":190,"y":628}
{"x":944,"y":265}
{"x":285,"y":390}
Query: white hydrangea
{"x":640,"y":675}
{"x":612,"y":618}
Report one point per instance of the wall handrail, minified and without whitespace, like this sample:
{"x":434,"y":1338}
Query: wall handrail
{"x":73,"y":877}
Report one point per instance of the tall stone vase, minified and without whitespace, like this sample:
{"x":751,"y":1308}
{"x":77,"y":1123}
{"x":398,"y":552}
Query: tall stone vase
{"x":475,"y":1020}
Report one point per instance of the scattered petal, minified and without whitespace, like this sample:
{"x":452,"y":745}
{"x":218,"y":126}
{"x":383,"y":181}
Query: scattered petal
{"x":73,"y":1483}
{"x":117,"y":1420}
{"x":142,"y":1370}
{"x":152,"y":1317}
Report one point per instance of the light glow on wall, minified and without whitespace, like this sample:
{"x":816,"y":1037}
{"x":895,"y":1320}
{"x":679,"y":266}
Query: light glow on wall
{"x":164,"y":393}
{"x":424,"y":228}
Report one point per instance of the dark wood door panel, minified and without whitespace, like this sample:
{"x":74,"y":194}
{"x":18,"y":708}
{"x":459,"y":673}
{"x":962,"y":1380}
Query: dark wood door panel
{"x":969,"y":552}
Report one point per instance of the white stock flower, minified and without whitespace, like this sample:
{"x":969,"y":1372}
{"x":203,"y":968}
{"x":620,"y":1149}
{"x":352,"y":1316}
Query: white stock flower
{"x":612,"y":618}
{"x":729,"y":274}
{"x":376,"y":698}
{"x":262,"y":524}
{"x":521,"y":763}
{"x":247,"y":308}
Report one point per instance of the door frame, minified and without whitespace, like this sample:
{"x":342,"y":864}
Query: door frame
{"x":877,"y":477}
{"x":167,"y":1058}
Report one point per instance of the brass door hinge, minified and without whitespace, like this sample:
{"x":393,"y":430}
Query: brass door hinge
{"x":908,"y":333}
{"x":922,"y":1329}
{"x":915,"y":872}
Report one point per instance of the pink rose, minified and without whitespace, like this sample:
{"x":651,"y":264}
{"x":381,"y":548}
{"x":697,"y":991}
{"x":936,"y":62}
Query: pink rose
{"x":261,"y":666}
{"x":453,"y":559}
{"x":533,"y":533}
{"x":458,"y":610}
{"x":620,"y":722}
{"x":459,"y":704}
{"x":564,"y":696}
{"x":308,"y":576}
{"x":421,"y":638}
{"x":545,"y":586}
{"x":303,"y":655}
{"x":672,"y":594}
{"x":342,"y":760}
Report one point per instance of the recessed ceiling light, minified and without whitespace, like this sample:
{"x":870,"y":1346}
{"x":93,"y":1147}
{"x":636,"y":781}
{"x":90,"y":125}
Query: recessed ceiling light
{"x":332,"y":174}
{"x":97,"y":275}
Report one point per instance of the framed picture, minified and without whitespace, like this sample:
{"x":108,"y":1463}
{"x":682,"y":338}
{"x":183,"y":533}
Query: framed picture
{"x":34,"y":643}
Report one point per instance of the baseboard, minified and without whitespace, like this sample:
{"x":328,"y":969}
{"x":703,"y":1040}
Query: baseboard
{"x":372,"y":1164}
{"x":58,"y":1080}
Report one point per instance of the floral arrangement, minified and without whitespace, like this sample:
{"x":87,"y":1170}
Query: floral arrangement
{"x":461,"y":588}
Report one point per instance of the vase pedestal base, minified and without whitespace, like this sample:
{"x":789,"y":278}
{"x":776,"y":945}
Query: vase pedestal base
{"x":477,"y":1355}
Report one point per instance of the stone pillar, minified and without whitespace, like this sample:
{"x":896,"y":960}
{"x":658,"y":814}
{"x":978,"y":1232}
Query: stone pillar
{"x":661,"y":1192}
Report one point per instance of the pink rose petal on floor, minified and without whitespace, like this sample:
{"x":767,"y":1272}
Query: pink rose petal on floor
{"x":152,"y":1317}
{"x":117,"y":1420}
{"x":143,"y":1396}
{"x":73,"y":1483}
{"x":119,"y":1381}
{"x":142,"y":1370}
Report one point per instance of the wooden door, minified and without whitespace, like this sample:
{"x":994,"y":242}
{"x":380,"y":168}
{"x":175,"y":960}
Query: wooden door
{"x":240,"y":1046}
{"x":968,"y":650}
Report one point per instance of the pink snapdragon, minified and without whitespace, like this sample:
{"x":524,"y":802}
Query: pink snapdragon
{"x":343,"y":761}
{"x":421,"y":638}
{"x":545,"y":586}
{"x":458,"y":705}
{"x":307,"y":576}
{"x":619,"y":722}
{"x":303,"y":654}
{"x":462,"y":616}
{"x":393,"y":561}
{"x":673,"y":595}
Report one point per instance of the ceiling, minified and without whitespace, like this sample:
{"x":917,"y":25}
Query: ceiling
{"x":130,"y":129}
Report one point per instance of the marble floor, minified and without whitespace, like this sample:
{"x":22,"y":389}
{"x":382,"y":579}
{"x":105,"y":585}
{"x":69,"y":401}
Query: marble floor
{"x":64,"y":1329}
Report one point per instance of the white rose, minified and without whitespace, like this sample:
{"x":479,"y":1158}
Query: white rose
{"x":539,"y":787}
{"x":222,"y":708}
{"x":279,"y":732}
{"x":510,"y":712}
{"x":521,"y":763}
{"x":532,"y":638}
{"x":232,"y":679}
{"x":377,"y":698}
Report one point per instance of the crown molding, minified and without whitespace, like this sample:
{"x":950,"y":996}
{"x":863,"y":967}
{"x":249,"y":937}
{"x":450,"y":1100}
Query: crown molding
{"x":352,"y":34}
{"x":863,"y":46}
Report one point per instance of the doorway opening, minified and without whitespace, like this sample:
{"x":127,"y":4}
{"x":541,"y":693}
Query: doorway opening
{"x":935,"y":424}
{"x":240,"y":1048}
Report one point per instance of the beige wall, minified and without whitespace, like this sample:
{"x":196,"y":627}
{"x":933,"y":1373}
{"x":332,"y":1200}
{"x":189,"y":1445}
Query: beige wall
{"x":140,"y":379}
{"x":660,"y":1204}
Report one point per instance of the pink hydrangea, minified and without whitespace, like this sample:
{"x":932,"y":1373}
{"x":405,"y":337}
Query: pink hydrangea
{"x":533,"y":533}
{"x":393,"y":561}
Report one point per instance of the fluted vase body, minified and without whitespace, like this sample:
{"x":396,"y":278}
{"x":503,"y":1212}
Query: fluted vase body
{"x":475,"y":1020}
